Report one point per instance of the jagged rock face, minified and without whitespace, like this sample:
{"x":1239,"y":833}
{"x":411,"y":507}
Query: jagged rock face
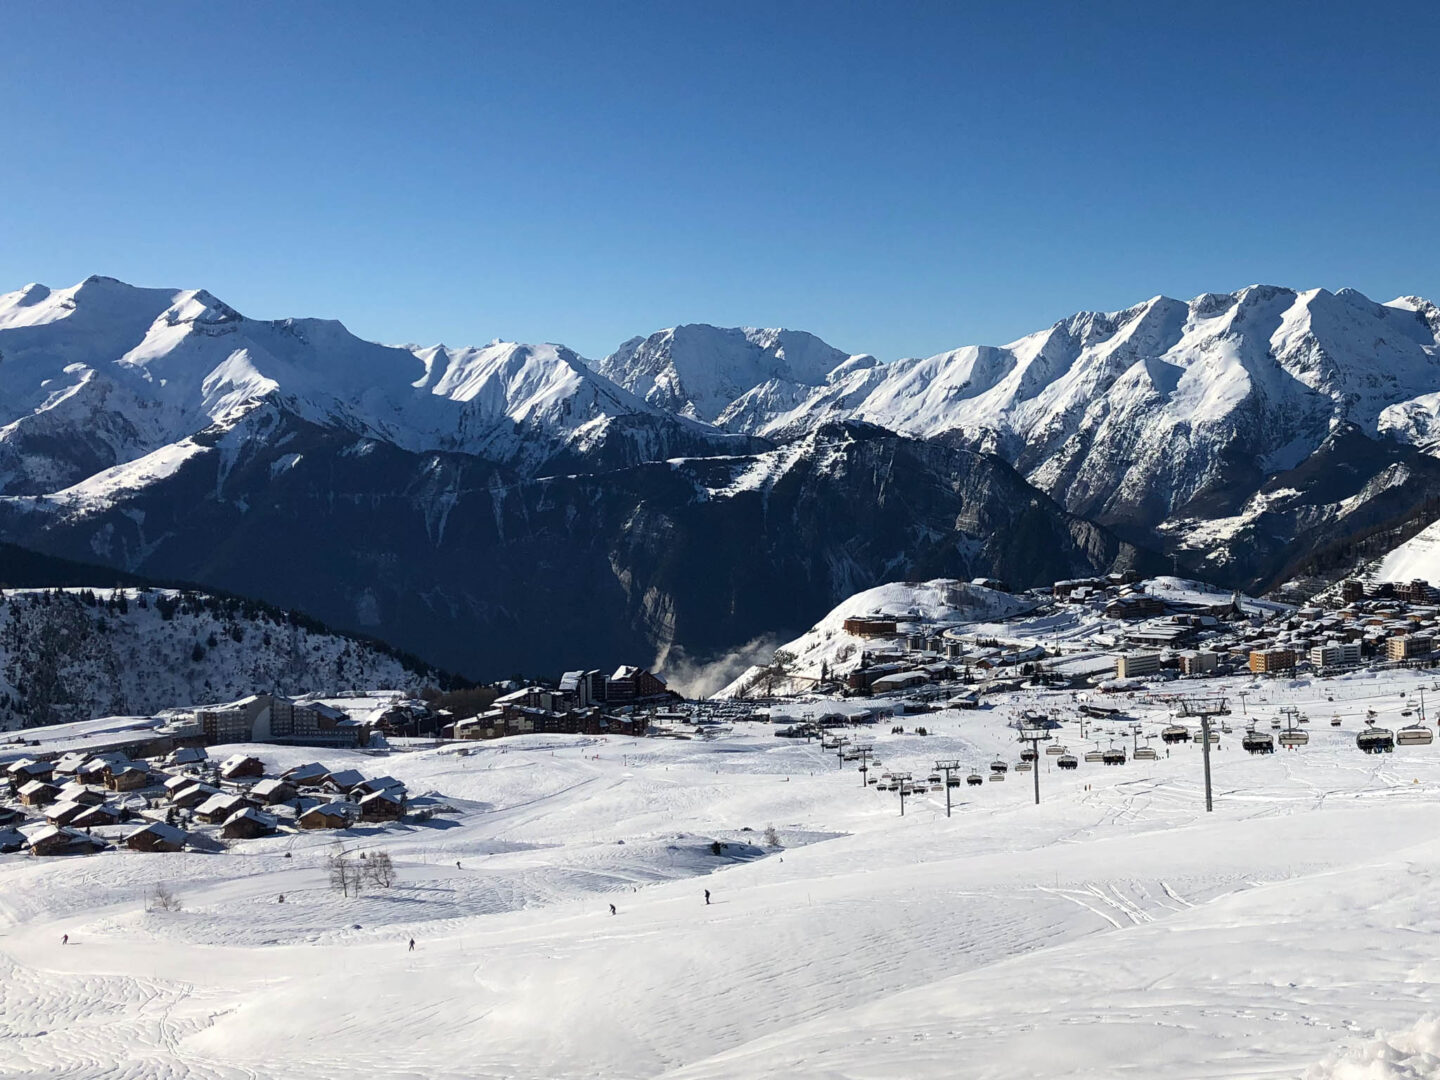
{"x":443,"y":556}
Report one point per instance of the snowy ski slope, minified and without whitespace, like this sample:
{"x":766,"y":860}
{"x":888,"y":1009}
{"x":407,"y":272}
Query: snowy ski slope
{"x":1115,"y":930}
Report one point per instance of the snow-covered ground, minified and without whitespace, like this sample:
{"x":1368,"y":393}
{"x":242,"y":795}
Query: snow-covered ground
{"x":1115,"y":929}
{"x":1418,"y":557}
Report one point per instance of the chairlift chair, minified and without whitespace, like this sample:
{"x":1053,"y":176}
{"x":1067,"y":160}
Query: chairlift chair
{"x":1335,"y":720}
{"x":1095,"y":756}
{"x":996,"y":777}
{"x":1414,"y":735}
{"x":1376,"y":740}
{"x":974,"y":779}
{"x":1294,"y":737}
{"x":1145,"y":753}
{"x":999,"y":765}
{"x":1175,"y":733}
{"x":1028,"y":754}
{"x":1024,"y":766}
{"x":1114,"y":756}
{"x":1258,"y":742}
{"x":1054,"y":750}
{"x":953,"y":781}
{"x":1068,"y":761}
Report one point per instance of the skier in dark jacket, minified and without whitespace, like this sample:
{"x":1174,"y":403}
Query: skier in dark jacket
{"x":707,"y":896}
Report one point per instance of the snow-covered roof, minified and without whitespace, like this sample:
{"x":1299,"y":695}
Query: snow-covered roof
{"x":249,"y":813}
{"x":165,"y":832}
{"x":218,"y":803}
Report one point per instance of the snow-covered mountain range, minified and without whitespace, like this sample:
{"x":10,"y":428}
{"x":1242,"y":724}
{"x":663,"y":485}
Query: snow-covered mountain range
{"x":159,"y":430}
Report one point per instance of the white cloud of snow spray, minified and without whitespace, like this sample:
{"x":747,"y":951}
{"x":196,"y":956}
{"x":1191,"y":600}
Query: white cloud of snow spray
{"x":699,"y":678}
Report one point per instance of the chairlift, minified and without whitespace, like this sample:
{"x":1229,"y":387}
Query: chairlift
{"x":1054,"y":750}
{"x":996,"y":777}
{"x":953,"y":781}
{"x":1335,"y":720}
{"x":1095,"y":756}
{"x":1214,"y":737}
{"x":999,"y":765}
{"x":1414,"y":735}
{"x":974,"y":779}
{"x":1024,"y":766}
{"x":1258,"y":742}
{"x":1068,"y":761}
{"x":1114,"y":756}
{"x":1028,"y":755}
{"x":1292,"y":737}
{"x":1175,"y":733}
{"x":1376,"y":740}
{"x":1145,"y":753}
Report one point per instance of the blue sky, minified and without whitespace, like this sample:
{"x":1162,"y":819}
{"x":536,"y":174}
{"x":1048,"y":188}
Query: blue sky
{"x":898,"y":178}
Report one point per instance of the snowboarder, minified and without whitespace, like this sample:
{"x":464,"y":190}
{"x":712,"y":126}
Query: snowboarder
{"x":457,"y":864}
{"x":612,"y":909}
{"x":412,"y":945}
{"x":707,"y":897}
{"x":64,"y":939}
{"x":281,"y":899}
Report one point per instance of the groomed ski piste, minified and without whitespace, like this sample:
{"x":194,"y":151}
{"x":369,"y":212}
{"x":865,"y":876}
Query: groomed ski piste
{"x":1116,"y":929}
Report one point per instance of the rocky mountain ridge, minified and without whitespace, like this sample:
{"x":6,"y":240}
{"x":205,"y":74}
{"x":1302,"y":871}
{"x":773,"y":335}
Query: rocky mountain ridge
{"x":453,"y":500}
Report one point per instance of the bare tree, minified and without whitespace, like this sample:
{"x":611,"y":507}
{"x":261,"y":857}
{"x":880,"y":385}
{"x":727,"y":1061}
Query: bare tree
{"x":772,"y":838}
{"x":346,"y":875}
{"x":161,"y":898}
{"x":380,"y":870}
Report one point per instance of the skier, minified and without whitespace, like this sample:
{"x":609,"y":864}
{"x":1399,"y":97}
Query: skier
{"x":612,"y":909}
{"x":412,"y":945}
{"x":64,"y":939}
{"x":457,"y":864}
{"x":281,"y":899}
{"x":707,"y":897}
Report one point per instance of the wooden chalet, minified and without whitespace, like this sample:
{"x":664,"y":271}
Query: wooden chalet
{"x":270,"y":792}
{"x":387,"y":804}
{"x":343,"y":781}
{"x":95,"y":816}
{"x":62,"y":813}
{"x":73,"y":792}
{"x":241,"y":767}
{"x":27,"y":769}
{"x":129,"y":777}
{"x":218,"y":807}
{"x":95,"y":768}
{"x":311,"y":774}
{"x":157,"y":836}
{"x":193,"y":795}
{"x":187,"y":755}
{"x":333,"y":815}
{"x":37,"y":793}
{"x":59,"y":840}
{"x":247,"y":824}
